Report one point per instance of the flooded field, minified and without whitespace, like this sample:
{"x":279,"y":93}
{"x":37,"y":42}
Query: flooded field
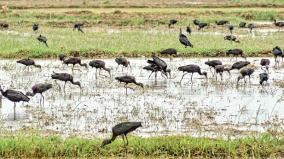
{"x":202,"y":108}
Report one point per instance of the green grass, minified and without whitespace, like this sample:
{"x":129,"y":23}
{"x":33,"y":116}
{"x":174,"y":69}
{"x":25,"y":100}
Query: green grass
{"x":128,"y":42}
{"x":24,"y":146}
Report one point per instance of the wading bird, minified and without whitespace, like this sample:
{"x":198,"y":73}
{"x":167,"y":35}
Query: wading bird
{"x":160,"y":65}
{"x":78,"y":26}
{"x":202,"y":25}
{"x":231,"y":38}
{"x":169,"y":51}
{"x":265,"y":63}
{"x":236,"y":53}
{"x":247,"y":71}
{"x":242,"y":24}
{"x":212,"y":64}
{"x":251,"y":26}
{"x":73,"y":61}
{"x":188,"y":29}
{"x":28,"y":62}
{"x":231,"y":28}
{"x":42,"y":39}
{"x":35,"y":27}
{"x":128,"y":79}
{"x":4,"y":25}
{"x":191,"y":69}
{"x":65,"y":77}
{"x":99,"y":64}
{"x":219,"y":69}
{"x":122,"y":61}
{"x":172,"y":22}
{"x":196,"y":22}
{"x":122,"y":130}
{"x":62,"y":57}
{"x":155,"y":69}
{"x":279,"y":24}
{"x":183,"y":39}
{"x":263,"y":77}
{"x":14,"y":96}
{"x":39,"y":88}
{"x":277,"y":52}
{"x":221,"y":22}
{"x":239,"y":65}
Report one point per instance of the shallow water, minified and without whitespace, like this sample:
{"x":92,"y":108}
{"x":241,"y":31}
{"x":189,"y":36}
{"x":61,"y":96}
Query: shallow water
{"x":204,"y":108}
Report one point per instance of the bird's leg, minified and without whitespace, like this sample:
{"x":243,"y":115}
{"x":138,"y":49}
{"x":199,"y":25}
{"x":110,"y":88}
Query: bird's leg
{"x":249,"y":79}
{"x":116,"y":67}
{"x":64,"y":86}
{"x":150,"y":75}
{"x":156,"y":76}
{"x":182,"y":77}
{"x":126,"y":140}
{"x":221,"y":76}
{"x":216,"y":77}
{"x":96,"y":73}
{"x":125,"y":88}
{"x":191,"y":77}
{"x":14,"y":110}
{"x":99,"y":71}
{"x":42,"y":99}
{"x":211,"y":71}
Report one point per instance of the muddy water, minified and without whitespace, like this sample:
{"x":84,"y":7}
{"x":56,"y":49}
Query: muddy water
{"x":204,"y":107}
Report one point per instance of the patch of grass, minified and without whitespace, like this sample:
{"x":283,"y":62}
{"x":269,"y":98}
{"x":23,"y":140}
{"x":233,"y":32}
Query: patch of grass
{"x":24,"y":146}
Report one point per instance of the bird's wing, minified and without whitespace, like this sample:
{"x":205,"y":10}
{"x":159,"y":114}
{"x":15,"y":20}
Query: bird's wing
{"x":16,"y":95}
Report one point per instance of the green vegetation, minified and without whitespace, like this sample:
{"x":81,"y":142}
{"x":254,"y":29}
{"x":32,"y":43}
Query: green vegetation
{"x":23,"y":146}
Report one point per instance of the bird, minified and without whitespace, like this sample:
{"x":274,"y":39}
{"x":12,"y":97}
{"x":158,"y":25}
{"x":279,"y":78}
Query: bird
{"x":219,"y":69}
{"x":42,"y":39}
{"x":39,"y":88}
{"x":122,"y":61}
{"x":242,"y":24}
{"x":251,"y":26}
{"x":78,"y":26}
{"x":277,"y":52}
{"x":62,"y":57}
{"x":73,"y":61}
{"x":231,"y":28}
{"x":183,"y":40}
{"x":263,"y":77}
{"x":191,"y":69}
{"x":35,"y":27}
{"x":231,"y":38}
{"x":28,"y":62}
{"x":279,"y":24}
{"x":235,"y":52}
{"x":4,"y":25}
{"x":212,"y":64}
{"x":221,"y":22}
{"x":155,"y":69}
{"x":99,"y":64}
{"x":188,"y":29}
{"x":172,"y":22}
{"x":239,"y":65}
{"x":169,"y":51}
{"x":247,"y":71}
{"x":196,"y":22}
{"x":122,"y":129}
{"x":202,"y":25}
{"x":265,"y":63}
{"x":128,"y":79}
{"x":14,"y":96}
{"x":65,"y":77}
{"x":160,"y":64}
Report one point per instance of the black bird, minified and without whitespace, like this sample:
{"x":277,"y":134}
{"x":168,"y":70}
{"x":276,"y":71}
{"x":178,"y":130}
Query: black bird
{"x":251,"y":26}
{"x":122,"y":61}
{"x":122,"y":130}
{"x":160,"y":64}
{"x":231,"y":28}
{"x":263,"y":77}
{"x":73,"y":61}
{"x":247,"y":71}
{"x":279,"y":24}
{"x":231,"y":38}
{"x":99,"y":64}
{"x":128,"y":79}
{"x":277,"y":52}
{"x":39,"y":88}
{"x":222,"y":22}
{"x":4,"y":25}
{"x":236,"y":53}
{"x":183,"y":40}
{"x":28,"y":62}
{"x":212,"y":64}
{"x":196,"y":22}
{"x":265,"y":63}
{"x":191,"y":69}
{"x":202,"y":25}
{"x":172,"y":22}
{"x":65,"y":77}
{"x":239,"y":65}
{"x":169,"y":51}
{"x":62,"y":57}
{"x":78,"y":26}
{"x":42,"y":39}
{"x":219,"y":69}
{"x":188,"y":29}
{"x":155,"y":69}
{"x":14,"y":96}
{"x":35,"y":27}
{"x":242,"y":24}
